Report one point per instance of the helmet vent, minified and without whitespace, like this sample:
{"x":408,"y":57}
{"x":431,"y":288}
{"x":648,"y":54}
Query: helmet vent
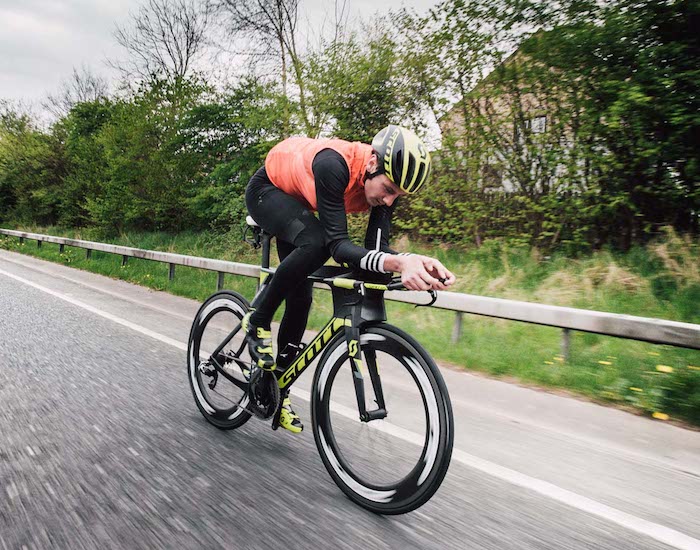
{"x":397,"y":166}
{"x":421,"y":174}
{"x":409,"y":180}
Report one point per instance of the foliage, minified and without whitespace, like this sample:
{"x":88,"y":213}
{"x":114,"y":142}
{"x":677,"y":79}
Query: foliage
{"x":234,"y":130}
{"x":582,"y":137}
{"x":32,"y":167}
{"x":174,"y":155}
{"x":360,"y":87}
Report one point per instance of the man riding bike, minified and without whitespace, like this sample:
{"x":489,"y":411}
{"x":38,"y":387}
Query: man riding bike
{"x":334,"y":178}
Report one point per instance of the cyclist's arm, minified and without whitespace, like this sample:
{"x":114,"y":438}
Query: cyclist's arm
{"x":379,"y":228}
{"x":332,"y":177}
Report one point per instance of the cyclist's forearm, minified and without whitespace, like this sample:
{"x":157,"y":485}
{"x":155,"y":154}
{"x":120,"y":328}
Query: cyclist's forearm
{"x":346,"y":252}
{"x":395,"y":262}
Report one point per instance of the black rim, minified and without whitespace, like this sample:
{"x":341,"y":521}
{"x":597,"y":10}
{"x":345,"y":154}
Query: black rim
{"x":203,"y":393}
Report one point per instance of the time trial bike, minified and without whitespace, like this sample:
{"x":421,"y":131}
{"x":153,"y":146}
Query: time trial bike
{"x":380,"y":412}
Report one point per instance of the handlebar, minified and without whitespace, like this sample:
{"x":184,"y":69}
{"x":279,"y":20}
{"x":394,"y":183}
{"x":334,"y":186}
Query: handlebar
{"x":395,"y":284}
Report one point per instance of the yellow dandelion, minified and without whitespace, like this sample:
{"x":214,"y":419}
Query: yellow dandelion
{"x":664,"y":368}
{"x":548,"y":363}
{"x":654,"y":353}
{"x":660,"y":416}
{"x":605,"y":362}
{"x":639,"y":390}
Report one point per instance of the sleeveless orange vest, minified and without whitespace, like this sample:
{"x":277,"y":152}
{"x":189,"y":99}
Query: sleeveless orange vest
{"x":288,"y":165}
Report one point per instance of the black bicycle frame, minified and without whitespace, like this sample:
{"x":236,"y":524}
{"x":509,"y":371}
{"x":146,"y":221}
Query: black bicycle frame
{"x":353,"y":307}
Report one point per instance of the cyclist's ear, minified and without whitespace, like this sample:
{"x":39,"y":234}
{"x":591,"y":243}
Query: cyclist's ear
{"x":372,"y":163}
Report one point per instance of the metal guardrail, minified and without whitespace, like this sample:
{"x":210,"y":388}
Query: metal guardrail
{"x":657,"y":331}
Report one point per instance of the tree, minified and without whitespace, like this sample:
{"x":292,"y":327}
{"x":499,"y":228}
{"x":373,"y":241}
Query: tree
{"x":82,"y":86}
{"x":613,"y":85}
{"x":637,"y":62}
{"x":356,"y":88}
{"x":164,"y":39}
{"x":32,"y":166}
{"x":149,"y":175}
{"x":273,"y":25}
{"x":233,"y":132}
{"x":86,"y":175}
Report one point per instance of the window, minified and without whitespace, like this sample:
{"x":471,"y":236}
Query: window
{"x":538,"y":125}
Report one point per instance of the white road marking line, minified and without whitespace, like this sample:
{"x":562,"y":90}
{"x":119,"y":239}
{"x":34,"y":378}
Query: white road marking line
{"x":114,"y":318}
{"x":656,"y":531}
{"x":118,"y":295}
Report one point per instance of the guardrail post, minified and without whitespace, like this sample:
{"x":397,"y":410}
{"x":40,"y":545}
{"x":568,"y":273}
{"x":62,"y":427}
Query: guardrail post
{"x":171,"y":272}
{"x":61,"y":247}
{"x":21,"y":240}
{"x":220,"y":281}
{"x":38,"y":244}
{"x":88,"y":253}
{"x":565,"y":343}
{"x":457,"y":327}
{"x":124,"y":260}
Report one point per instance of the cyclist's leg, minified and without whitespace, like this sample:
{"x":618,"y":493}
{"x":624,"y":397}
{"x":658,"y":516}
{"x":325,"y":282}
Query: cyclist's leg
{"x":290,"y":221}
{"x":296,"y":308}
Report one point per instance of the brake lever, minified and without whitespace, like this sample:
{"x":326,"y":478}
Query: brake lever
{"x":434,"y":297}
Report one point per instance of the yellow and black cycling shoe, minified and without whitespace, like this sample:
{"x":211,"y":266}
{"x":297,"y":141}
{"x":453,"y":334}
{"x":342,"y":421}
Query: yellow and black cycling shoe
{"x":289,"y":420}
{"x":259,"y":343}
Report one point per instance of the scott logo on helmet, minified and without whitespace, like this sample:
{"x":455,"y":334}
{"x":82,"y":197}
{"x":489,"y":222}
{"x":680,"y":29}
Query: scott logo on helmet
{"x":389,"y":150}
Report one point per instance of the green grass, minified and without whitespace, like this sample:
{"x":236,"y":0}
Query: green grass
{"x":661,"y":280}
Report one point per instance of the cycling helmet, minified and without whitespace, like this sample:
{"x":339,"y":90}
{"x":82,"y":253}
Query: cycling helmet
{"x":403,"y":157}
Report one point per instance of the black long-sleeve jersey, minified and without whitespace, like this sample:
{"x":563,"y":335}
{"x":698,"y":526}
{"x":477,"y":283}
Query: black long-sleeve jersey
{"x":332,"y":176}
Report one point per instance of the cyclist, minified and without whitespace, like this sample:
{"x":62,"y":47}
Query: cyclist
{"x":333,"y":177}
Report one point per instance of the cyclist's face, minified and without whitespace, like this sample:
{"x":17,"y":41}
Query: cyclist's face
{"x":380,"y":191}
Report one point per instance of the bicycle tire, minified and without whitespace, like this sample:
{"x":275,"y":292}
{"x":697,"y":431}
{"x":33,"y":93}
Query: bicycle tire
{"x":226,"y":412}
{"x":349,"y":459}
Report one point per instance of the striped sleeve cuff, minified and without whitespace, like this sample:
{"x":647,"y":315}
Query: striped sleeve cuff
{"x":373,"y":261}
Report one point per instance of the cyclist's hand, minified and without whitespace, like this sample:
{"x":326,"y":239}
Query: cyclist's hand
{"x":443,"y":276}
{"x":414,"y":275}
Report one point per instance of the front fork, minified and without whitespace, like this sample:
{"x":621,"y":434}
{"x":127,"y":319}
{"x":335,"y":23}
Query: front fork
{"x":352,"y":335}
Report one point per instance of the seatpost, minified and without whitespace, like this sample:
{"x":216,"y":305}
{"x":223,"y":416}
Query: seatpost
{"x":265,"y":239}
{"x":265,"y":249}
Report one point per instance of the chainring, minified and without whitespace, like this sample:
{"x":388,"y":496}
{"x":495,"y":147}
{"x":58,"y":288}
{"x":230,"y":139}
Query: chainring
{"x":264,"y":393}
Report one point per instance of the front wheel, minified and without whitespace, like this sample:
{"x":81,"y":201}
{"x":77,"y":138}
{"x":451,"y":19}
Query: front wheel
{"x":394,"y":464}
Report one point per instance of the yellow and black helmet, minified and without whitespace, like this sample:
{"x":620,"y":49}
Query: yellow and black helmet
{"x":403,"y":157}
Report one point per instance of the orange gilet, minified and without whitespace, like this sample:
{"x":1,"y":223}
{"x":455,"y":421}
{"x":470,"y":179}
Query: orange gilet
{"x":288,"y":165}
